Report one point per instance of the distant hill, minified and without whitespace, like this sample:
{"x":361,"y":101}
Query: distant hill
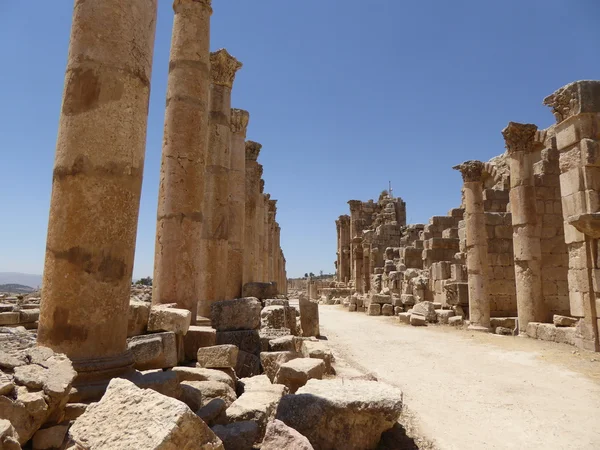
{"x":16,"y":288}
{"x":26,"y":279}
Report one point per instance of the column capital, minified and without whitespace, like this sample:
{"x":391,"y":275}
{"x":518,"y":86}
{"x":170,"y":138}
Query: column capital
{"x":252,"y":150}
{"x":520,"y":137}
{"x":205,"y":3}
{"x":345,"y":219}
{"x":261,"y":183}
{"x":223,"y":67}
{"x":575,"y":98}
{"x":354,"y":204}
{"x":272,"y":206}
{"x":239,"y":120}
{"x":259,"y":170}
{"x":471,"y":170}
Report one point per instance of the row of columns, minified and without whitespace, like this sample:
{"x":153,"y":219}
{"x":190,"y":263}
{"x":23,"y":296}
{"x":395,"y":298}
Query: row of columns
{"x":343,"y":249}
{"x":216,"y":228}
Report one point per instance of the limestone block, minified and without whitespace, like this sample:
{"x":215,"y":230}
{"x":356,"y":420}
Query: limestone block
{"x":455,"y":321}
{"x":121,"y":418}
{"x":398,"y":310}
{"x":503,"y":331}
{"x":286,"y":343}
{"x":162,"y":381}
{"x":381,"y":299}
{"x":505,"y":322}
{"x":169,"y":319}
{"x":309,"y":318}
{"x":279,"y":436}
{"x":417,"y":320}
{"x":213,"y":412}
{"x":261,"y":291}
{"x":154,"y":351}
{"x":139,"y":313}
{"x":404,"y":317}
{"x":324,"y":410}
{"x":247,"y":365}
{"x":49,"y":438}
{"x":10,"y":318}
{"x":295,"y":373}
{"x":564,"y":321}
{"x":532,"y":328}
{"x":352,"y":307}
{"x":29,"y":315}
{"x":198,"y":337}
{"x":9,"y":439}
{"x":238,"y":314}
{"x":202,"y":374}
{"x":407,"y":299}
{"x":387,"y":310}
{"x":426,"y":309}
{"x":245,"y":340}
{"x":319,"y":350}
{"x":197,"y":394}
{"x":271,"y":361}
{"x":273,"y":317}
{"x":565,"y":335}
{"x":546,"y":332}
{"x":238,"y":435}
{"x":443,"y":315}
{"x":217,"y":356}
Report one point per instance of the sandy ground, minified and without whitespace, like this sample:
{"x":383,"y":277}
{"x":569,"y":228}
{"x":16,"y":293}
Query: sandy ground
{"x":469,"y":390}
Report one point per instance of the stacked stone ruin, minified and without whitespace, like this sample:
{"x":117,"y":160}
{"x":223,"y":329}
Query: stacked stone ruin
{"x":520,"y":255}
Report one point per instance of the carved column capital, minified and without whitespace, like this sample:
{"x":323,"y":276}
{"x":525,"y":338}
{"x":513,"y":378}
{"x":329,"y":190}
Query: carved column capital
{"x":252,"y":150}
{"x":239,"y":120}
{"x":223,"y":67}
{"x":354,"y":204}
{"x":520,"y":137}
{"x":471,"y":170}
{"x":205,"y":3}
{"x":272,"y":206}
{"x":262,"y":183}
{"x":344,"y":220}
{"x":575,"y":98}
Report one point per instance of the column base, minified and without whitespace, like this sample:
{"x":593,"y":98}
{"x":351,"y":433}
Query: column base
{"x":93,"y":375}
{"x":478,"y":328}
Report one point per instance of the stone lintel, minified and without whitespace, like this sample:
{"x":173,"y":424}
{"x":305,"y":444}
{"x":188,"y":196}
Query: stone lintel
{"x":252,"y":150}
{"x":520,"y":137}
{"x":239,"y":120}
{"x":223,"y":67}
{"x":575,"y":98}
{"x":471,"y":170}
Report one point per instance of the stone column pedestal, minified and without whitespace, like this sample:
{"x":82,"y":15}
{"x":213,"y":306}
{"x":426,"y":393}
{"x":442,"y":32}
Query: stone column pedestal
{"x":96,"y":186}
{"x":477,"y":247}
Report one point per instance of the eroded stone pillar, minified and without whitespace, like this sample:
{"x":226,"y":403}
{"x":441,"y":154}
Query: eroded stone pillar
{"x":253,"y":174}
{"x":260,"y":231}
{"x":577,"y":111}
{"x":477,"y":246}
{"x":181,"y":189}
{"x":272,"y":276}
{"x":265,"y":240}
{"x":237,"y":204}
{"x":277,"y":256}
{"x":357,"y":265}
{"x":215,"y":226}
{"x":344,"y":266}
{"x":96,"y":185}
{"x":520,"y":145}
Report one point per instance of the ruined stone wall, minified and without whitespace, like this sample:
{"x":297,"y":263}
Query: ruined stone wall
{"x":502,"y":290}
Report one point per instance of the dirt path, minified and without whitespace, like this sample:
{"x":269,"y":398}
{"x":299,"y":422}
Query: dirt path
{"x":476,"y":391}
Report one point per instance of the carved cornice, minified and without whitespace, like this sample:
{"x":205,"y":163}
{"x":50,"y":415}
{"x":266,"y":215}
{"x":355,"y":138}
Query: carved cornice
{"x":575,"y":98}
{"x":344,"y":220}
{"x":355,"y":204}
{"x":471,"y":170}
{"x":252,"y":150}
{"x":239,"y":120}
{"x":205,"y":3}
{"x":223,"y":67}
{"x":520,"y":137}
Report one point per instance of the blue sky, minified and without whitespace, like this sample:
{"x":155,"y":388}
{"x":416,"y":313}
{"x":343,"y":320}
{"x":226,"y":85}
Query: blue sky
{"x":344,"y":95}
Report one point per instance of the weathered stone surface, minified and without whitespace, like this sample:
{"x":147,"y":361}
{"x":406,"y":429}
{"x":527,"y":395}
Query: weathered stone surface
{"x":295,"y":373}
{"x":286,"y":343}
{"x":276,"y":302}
{"x":74,"y":410}
{"x":273,"y":317}
{"x":407,"y":299}
{"x":374,"y":309}
{"x":213,"y":412}
{"x":309,"y":317}
{"x":139,"y":313}
{"x":324,"y":410}
{"x":9,"y":439}
{"x":279,"y":436}
{"x":247,"y":365}
{"x":125,"y":414}
{"x":50,"y":438}
{"x":387,"y":310}
{"x":381,"y":299}
{"x":154,"y":351}
{"x":162,"y":381}
{"x":238,"y":314}
{"x":217,"y":356}
{"x":164,"y":318}
{"x":197,"y":394}
{"x":319,"y":350}
{"x":443,"y":315}
{"x":531,"y":329}
{"x":506,"y":322}
{"x":404,"y":317}
{"x":417,"y":320}
{"x":271,"y":361}
{"x":198,"y":337}
{"x":261,"y":291}
{"x":201,"y":374}
{"x":238,"y":435}
{"x":564,"y":321}
{"x":245,"y":340}
{"x":455,"y":321}
{"x":503,"y":331}
{"x":427,"y":310}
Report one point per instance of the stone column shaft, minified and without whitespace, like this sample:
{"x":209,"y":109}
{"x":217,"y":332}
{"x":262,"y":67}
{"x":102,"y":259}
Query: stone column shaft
{"x":181,"y":189}
{"x":215,"y":227}
{"x":520,"y":143}
{"x":260,"y":232}
{"x":253,"y":173}
{"x":96,"y":184}
{"x":237,"y":204}
{"x":345,"y":248}
{"x":477,"y":246}
{"x":265,"y":241}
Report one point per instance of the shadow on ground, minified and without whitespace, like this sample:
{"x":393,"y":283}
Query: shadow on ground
{"x":396,"y":439}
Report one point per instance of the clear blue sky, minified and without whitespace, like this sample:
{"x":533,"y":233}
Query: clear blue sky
{"x":345,"y":95}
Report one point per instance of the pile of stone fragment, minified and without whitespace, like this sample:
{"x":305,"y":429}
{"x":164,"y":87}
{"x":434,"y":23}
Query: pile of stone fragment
{"x":256,"y":377}
{"x":19,"y":310}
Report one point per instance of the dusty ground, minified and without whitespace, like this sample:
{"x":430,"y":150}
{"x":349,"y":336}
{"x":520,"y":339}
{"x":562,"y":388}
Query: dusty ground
{"x":466,"y":390}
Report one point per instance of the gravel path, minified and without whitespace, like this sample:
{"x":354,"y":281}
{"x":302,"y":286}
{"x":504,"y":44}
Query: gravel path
{"x":476,"y":391}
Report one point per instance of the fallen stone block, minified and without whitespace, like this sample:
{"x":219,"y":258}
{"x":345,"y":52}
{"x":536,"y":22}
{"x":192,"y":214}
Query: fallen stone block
{"x":271,"y":361}
{"x":29,"y":315}
{"x":309,"y":318}
{"x":319,"y":350}
{"x":198,"y":337}
{"x":121,"y":419}
{"x":164,"y":318}
{"x":286,"y":344}
{"x":531,"y":329}
{"x":565,"y":335}
{"x":9,"y":439}
{"x":154,"y":351}
{"x":217,"y":356}
{"x":455,"y":321}
{"x":74,"y":410}
{"x":417,"y":320}
{"x":197,"y":394}
{"x":443,"y":315}
{"x":387,"y":310}
{"x":279,"y":436}
{"x":238,"y":435}
{"x":407,"y":299}
{"x":276,"y":302}
{"x":138,"y":316}
{"x":261,"y":291}
{"x":268,"y":334}
{"x":374,"y":309}
{"x":245,"y":340}
{"x":427,"y":310}
{"x":398,"y":310}
{"x":201,"y":374}
{"x":164,"y":382}
{"x":10,"y":318}
{"x":404,"y":317}
{"x":295,"y":373}
{"x":324,"y":410}
{"x":503,"y":331}
{"x":352,"y":307}
{"x":213,"y":412}
{"x":505,"y":322}
{"x":247,"y":365}
{"x":564,"y":321}
{"x":238,"y":314}
{"x":273,"y":317}
{"x":546,"y":332}
{"x":381,"y":299}
{"x":50,"y":438}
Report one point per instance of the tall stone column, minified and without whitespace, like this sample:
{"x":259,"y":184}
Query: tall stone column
{"x":96,"y":185}
{"x":338,"y":252}
{"x":577,"y":111}
{"x":357,"y":264}
{"x":477,"y":245}
{"x":272,"y":275}
{"x":277,"y":258}
{"x":237,"y":204}
{"x":344,"y":266}
{"x":355,"y":232}
{"x":260,"y":231}
{"x":520,"y":145}
{"x":181,"y":188}
{"x":265,"y":241}
{"x":215,"y":226}
{"x":253,"y":174}
{"x":366,"y":267}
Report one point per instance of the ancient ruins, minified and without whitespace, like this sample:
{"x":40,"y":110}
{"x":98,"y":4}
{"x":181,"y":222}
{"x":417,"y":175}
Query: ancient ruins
{"x":520,"y":254}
